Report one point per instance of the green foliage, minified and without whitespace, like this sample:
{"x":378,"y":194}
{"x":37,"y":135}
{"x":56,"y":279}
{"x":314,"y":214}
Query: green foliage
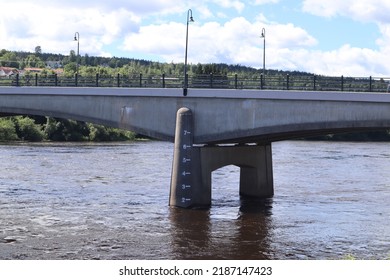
{"x":101,"y":133}
{"x":114,"y":65}
{"x":33,"y":61}
{"x":9,"y":59}
{"x":38,"y":51}
{"x":7,"y":130}
{"x":27,"y":129}
{"x":70,"y":69}
{"x":52,"y":129}
{"x":66,"y":130}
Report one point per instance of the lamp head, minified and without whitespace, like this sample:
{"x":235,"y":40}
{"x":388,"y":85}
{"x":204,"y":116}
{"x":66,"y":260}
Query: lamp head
{"x":189,"y":16}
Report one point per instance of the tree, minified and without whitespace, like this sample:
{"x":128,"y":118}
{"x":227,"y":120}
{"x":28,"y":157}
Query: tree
{"x":27,"y":129}
{"x":38,"y":51}
{"x":70,"y":68}
{"x":9,"y":59}
{"x":33,"y":61}
{"x":7,"y":130}
{"x":72,"y":56}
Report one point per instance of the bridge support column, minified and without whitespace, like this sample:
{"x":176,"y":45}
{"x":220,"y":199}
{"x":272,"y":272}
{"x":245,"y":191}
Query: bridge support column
{"x":187,"y":189}
{"x":193,"y":165}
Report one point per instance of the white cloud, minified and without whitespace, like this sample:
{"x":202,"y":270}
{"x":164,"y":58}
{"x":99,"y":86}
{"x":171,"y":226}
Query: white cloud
{"x":356,"y":60}
{"x":53,"y":27}
{"x":215,"y":42}
{"x":236,"y":4}
{"x":222,"y":32}
{"x":360,"y":10}
{"x":290,"y":36}
{"x":165,"y":40}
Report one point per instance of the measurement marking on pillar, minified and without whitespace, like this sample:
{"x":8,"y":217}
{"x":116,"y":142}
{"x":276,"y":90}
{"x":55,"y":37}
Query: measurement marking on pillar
{"x":186,"y":132}
{"x":185,"y":160}
{"x":184,"y":186}
{"x":184,"y":199}
{"x":185,"y":147}
{"x":185,"y":173}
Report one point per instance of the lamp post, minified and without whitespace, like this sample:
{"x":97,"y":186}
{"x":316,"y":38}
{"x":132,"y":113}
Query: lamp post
{"x":77,"y":38}
{"x":263,"y":36}
{"x":189,"y":19}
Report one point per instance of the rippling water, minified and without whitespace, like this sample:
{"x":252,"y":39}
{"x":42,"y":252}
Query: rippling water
{"x":110,"y":201}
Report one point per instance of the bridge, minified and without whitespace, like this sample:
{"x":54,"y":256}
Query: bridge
{"x":211,"y":128}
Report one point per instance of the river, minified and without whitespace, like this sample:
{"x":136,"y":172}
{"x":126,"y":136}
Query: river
{"x":110,"y":201}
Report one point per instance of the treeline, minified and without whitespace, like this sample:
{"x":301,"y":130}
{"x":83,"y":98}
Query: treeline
{"x":35,"y":129}
{"x":91,"y":65}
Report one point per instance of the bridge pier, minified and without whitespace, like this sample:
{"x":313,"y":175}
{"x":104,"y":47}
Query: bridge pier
{"x":193,"y":165}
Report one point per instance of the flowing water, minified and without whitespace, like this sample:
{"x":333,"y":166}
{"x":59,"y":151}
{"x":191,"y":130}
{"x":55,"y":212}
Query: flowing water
{"x":110,"y":201}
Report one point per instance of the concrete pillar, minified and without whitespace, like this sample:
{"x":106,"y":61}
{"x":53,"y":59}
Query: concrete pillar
{"x":255,"y":162}
{"x":257,"y":180}
{"x":193,"y":165}
{"x":187,"y":190}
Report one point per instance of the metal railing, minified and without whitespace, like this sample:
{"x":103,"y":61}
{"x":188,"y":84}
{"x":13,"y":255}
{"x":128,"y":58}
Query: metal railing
{"x":269,"y":82}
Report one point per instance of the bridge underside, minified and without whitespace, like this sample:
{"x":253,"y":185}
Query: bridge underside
{"x":275,"y":134}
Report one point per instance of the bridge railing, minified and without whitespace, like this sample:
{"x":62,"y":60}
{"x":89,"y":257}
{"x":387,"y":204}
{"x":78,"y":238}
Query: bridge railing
{"x":270,"y":82}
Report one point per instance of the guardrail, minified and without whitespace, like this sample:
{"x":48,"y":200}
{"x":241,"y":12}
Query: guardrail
{"x":271,"y":82}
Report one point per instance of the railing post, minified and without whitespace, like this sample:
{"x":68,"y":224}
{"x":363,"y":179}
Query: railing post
{"x":76,"y":79}
{"x":97,"y":80}
{"x":56,"y":79}
{"x":314,"y":82}
{"x":342,"y":83}
{"x":261,"y":81}
{"x":211,"y":80}
{"x":140,"y":79}
{"x":118,"y":80}
{"x":288,"y":81}
{"x":36,"y":79}
{"x":235,"y":81}
{"x":163,"y":80}
{"x":17,"y":79}
{"x":370,"y":88}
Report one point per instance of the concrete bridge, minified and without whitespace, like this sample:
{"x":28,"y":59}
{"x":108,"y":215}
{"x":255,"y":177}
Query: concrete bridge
{"x":211,"y":128}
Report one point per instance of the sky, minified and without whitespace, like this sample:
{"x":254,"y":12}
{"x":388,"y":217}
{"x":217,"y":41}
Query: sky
{"x":332,"y":37}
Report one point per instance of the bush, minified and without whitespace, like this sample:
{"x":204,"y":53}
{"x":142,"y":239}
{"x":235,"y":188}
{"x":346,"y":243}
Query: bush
{"x":53,"y":129}
{"x":7,"y":130}
{"x":66,"y":130}
{"x":27,"y":129}
{"x":102,"y":133}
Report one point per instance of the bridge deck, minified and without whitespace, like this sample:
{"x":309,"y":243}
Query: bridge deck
{"x":220,"y":115}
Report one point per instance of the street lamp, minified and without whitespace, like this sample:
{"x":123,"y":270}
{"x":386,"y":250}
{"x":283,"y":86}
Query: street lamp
{"x":77,"y":38}
{"x":189,"y":19}
{"x":263,"y":36}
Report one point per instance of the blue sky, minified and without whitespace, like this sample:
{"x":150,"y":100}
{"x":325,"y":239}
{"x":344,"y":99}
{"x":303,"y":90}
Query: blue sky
{"x":333,"y":37}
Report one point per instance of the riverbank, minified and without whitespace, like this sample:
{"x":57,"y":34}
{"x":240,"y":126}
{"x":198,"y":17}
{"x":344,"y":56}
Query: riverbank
{"x":36,"y":129}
